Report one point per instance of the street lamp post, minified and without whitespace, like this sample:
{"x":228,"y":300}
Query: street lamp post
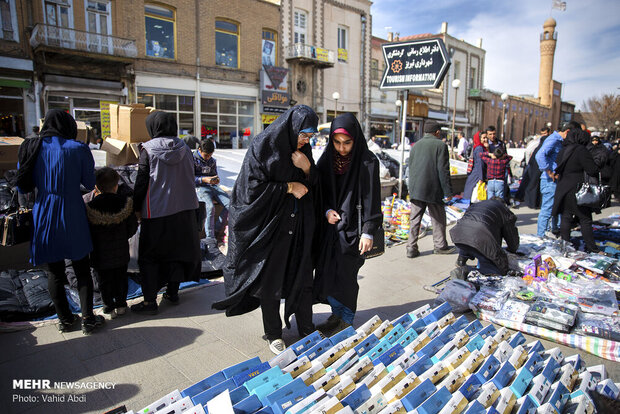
{"x":399,"y":104}
{"x":504,"y":99}
{"x":455,"y":84}
{"x":336,"y":96}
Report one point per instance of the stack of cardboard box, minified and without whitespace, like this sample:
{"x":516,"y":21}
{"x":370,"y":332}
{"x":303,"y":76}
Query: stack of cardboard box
{"x":9,"y":146}
{"x":127,"y":131}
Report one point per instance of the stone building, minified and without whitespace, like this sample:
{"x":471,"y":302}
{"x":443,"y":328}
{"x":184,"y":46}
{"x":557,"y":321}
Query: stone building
{"x":327,"y":51}
{"x":199,"y":60}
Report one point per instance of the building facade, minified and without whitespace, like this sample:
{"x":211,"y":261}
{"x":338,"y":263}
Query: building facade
{"x":327,"y":53}
{"x":199,"y":60}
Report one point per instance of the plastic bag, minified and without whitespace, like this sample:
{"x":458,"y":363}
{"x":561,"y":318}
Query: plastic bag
{"x":457,"y":293}
{"x":480,"y":192}
{"x":513,"y":310}
{"x":488,"y":298}
{"x":607,"y":327}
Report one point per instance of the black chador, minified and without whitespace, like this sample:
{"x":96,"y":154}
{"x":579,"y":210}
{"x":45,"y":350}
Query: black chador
{"x":270,"y":231}
{"x":345,"y":181}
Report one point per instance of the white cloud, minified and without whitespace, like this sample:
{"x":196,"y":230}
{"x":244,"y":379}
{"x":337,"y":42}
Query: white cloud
{"x":587,"y":55}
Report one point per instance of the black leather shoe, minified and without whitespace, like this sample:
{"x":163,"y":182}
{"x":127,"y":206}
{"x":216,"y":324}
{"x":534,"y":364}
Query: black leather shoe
{"x":150,"y":309}
{"x":173,"y":299}
{"x":413,"y":253}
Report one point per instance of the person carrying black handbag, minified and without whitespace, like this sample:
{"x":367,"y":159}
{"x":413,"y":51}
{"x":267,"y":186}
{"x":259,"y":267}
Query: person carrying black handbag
{"x":349,"y":177}
{"x":572,"y":161}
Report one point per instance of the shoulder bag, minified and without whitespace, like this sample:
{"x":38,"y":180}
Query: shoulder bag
{"x":596,"y":196}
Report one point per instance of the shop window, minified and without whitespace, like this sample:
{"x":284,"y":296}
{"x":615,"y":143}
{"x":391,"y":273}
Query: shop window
{"x":160,"y":31}
{"x":226,"y":44}
{"x":230,"y":122}
{"x":269,"y":47}
{"x":300,"y":24}
{"x":343,"y":54}
{"x":8,"y":21}
{"x":374,"y":69}
{"x":180,"y":105}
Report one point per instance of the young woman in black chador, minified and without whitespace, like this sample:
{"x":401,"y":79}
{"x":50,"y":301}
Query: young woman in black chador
{"x":349,"y":177}
{"x":271,"y":224}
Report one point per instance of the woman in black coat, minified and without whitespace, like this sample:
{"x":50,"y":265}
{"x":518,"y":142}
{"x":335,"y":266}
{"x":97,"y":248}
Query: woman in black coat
{"x":271,"y":225}
{"x":350,"y":186}
{"x":573,"y":160}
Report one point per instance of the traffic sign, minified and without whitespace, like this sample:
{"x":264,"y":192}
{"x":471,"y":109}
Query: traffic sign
{"x":416,"y":64}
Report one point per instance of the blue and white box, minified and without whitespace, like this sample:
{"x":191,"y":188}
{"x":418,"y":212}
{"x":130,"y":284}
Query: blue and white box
{"x":525,"y":405}
{"x":342,"y":335}
{"x":488,"y":368}
{"x":608,"y":388}
{"x":516,"y":339}
{"x":374,"y":404}
{"x":366,"y":345}
{"x":539,"y":389}
{"x":205,"y":384}
{"x":389,"y":356}
{"x":241,"y":367}
{"x":298,"y":367}
{"x":473,"y":328}
{"x":504,"y":375}
{"x":247,"y":375}
{"x":435,"y":402}
{"x":418,"y":395}
{"x":318,"y":349}
{"x":395,"y":334}
{"x":262,"y":391}
{"x":522,"y":382}
{"x":407,"y":337}
{"x":208,"y":394}
{"x":357,"y":397}
{"x":306,"y":343}
{"x":263,"y":378}
{"x":470,"y":387}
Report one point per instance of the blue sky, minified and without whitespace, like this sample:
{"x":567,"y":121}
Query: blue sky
{"x":587,"y":56}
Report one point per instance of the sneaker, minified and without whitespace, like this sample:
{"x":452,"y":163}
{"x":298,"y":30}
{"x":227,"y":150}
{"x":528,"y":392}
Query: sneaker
{"x":67,"y":325}
{"x":173,"y":299}
{"x":413,"y":253}
{"x":277,"y":346}
{"x":150,"y":309}
{"x":121,"y":311}
{"x":329,"y":324}
{"x":445,"y":250}
{"x":90,"y":323}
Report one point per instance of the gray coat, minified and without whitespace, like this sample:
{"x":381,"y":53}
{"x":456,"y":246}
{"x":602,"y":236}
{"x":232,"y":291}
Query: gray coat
{"x":429,"y":170}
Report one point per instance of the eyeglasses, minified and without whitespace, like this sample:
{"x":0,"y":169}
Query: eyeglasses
{"x":306,"y":135}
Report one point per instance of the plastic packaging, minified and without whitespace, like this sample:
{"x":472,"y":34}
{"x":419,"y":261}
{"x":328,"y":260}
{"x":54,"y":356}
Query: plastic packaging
{"x":488,"y":298}
{"x":513,"y":310}
{"x":458,"y":293}
{"x":607,"y":327}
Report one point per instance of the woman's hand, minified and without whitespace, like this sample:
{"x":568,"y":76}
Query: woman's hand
{"x":333,"y":217}
{"x":365,"y":245}
{"x":301,"y":161}
{"x":297,"y":189}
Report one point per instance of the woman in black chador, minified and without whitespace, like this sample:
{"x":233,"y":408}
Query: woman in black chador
{"x":271,"y":224}
{"x":349,"y":177}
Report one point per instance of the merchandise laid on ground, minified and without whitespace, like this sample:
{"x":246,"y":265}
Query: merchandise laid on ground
{"x":554,"y":292}
{"x":427,"y":361}
{"x":397,"y":215}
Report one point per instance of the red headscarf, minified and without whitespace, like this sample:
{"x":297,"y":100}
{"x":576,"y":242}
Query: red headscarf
{"x":478,"y":142}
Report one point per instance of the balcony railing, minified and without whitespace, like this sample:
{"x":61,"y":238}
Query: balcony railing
{"x":78,"y":40}
{"x":310,"y":54}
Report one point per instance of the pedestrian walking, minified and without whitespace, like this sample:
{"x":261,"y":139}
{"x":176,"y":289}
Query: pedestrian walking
{"x":529,"y":188}
{"x":572,"y":161}
{"x":546,"y":159}
{"x":479,"y":168}
{"x":351,"y":203}
{"x":166,"y":204}
{"x":429,"y":186}
{"x":271,"y":225}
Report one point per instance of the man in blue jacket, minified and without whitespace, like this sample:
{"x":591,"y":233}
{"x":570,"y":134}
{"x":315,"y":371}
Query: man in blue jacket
{"x":545,"y":157}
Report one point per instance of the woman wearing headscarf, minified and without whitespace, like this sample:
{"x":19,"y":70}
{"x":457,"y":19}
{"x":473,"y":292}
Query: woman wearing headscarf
{"x":166,"y":204}
{"x":60,"y":224}
{"x":271,"y":225}
{"x":573,"y":160}
{"x":349,"y":180}
{"x":479,"y":169}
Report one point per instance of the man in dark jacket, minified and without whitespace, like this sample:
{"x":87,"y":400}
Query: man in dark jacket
{"x":429,"y":185}
{"x":479,"y":233}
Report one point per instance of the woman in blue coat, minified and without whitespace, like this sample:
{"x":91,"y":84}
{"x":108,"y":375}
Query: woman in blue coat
{"x":60,"y":224}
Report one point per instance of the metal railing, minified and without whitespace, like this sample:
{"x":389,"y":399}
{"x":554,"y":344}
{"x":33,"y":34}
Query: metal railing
{"x":65,"y":38}
{"x":317,"y":54}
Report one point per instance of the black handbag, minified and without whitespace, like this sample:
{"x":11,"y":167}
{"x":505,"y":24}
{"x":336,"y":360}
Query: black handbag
{"x":16,"y":228}
{"x":378,"y":238}
{"x":596,"y":196}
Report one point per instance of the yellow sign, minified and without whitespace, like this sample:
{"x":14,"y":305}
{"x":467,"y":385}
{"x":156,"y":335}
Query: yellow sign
{"x":343,"y":54}
{"x":268,"y":119}
{"x":322,"y":54}
{"x":104,"y":106}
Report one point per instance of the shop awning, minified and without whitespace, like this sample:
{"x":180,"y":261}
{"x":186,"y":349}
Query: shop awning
{"x":15,"y":83}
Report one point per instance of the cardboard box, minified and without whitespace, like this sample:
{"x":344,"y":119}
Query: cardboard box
{"x":120,"y":152}
{"x":82,"y":132}
{"x":9,"y":146}
{"x":247,"y":375}
{"x":248,"y":365}
{"x":128,"y":122}
{"x":345,"y":387}
{"x":418,"y":395}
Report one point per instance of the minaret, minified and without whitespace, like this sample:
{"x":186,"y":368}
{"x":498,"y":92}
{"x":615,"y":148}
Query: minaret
{"x":548,"y":39}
